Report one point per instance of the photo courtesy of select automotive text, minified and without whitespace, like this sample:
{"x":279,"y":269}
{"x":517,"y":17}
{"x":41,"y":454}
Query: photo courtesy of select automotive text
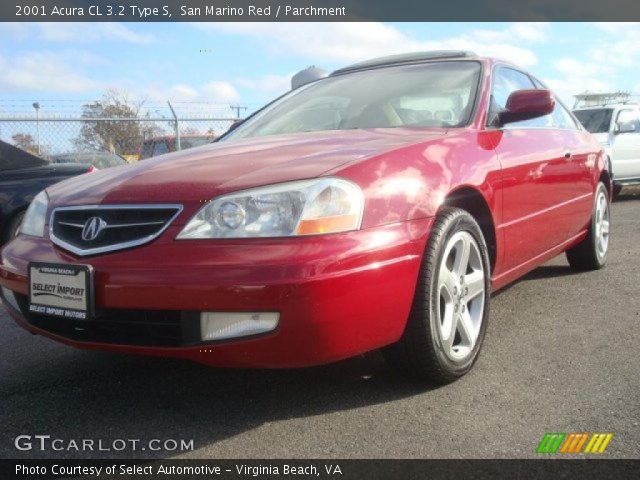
{"x":335,"y":239}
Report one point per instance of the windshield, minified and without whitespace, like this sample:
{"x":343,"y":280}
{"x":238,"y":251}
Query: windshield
{"x":428,"y":95}
{"x":595,"y":120}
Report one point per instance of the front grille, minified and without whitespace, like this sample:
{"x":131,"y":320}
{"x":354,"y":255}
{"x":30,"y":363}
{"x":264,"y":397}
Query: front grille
{"x":148,"y":328}
{"x":90,"y":230}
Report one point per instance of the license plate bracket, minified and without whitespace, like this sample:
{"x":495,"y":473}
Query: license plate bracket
{"x":61,"y":290}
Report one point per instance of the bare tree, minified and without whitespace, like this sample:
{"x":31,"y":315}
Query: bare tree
{"x":111,"y":134}
{"x":26,"y":142}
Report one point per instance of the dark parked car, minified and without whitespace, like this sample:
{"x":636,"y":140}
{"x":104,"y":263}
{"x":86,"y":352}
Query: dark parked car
{"x":100,"y":160}
{"x":22,"y":176}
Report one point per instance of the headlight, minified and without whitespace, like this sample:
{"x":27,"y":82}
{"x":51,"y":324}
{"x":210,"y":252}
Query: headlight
{"x":34,"y":219}
{"x":307,"y":207}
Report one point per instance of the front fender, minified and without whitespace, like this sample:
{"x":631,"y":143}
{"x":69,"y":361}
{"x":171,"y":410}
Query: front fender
{"x":413,"y":182}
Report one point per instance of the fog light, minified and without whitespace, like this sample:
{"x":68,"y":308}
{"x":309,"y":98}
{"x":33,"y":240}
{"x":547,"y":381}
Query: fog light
{"x":10,"y":298}
{"x":222,"y":325}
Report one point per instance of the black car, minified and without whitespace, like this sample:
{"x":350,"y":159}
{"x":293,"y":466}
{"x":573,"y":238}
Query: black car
{"x":100,"y":160}
{"x":23,"y":176}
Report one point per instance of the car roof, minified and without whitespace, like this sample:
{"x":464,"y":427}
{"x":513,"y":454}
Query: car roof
{"x":404,"y":59}
{"x":613,"y":106}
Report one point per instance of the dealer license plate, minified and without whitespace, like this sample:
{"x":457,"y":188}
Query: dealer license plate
{"x":61,"y":290}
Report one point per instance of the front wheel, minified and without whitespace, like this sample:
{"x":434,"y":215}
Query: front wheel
{"x":591,"y":253}
{"x":615,"y":191}
{"x":448,"y":318}
{"x":13,"y":228}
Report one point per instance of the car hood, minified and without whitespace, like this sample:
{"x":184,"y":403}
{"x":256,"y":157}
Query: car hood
{"x":12,"y":158}
{"x":199,"y":174}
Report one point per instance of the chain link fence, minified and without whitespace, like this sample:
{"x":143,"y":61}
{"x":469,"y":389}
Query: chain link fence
{"x":130,"y":138}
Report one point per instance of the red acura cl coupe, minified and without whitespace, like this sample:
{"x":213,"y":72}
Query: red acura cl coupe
{"x":374,"y":208}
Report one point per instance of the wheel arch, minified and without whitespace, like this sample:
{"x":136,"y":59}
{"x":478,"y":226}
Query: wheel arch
{"x":605,"y":177}
{"x":472,"y":201}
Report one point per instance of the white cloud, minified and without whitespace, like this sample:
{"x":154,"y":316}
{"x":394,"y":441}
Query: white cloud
{"x":15,"y":30}
{"x":347,"y":42}
{"x":531,"y":32}
{"x":161,"y":94}
{"x":618,"y":44}
{"x":64,"y":72}
{"x":616,"y":28}
{"x":270,"y":84}
{"x":221,"y":91}
{"x":602,"y":67}
{"x":199,"y":97}
{"x":518,"y":32}
{"x":182,"y":92}
{"x":42,"y":71}
{"x":75,"y":32}
{"x":574,"y":76}
{"x":69,"y":32}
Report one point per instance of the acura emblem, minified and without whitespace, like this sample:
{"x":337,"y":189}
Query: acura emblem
{"x":92,"y":228}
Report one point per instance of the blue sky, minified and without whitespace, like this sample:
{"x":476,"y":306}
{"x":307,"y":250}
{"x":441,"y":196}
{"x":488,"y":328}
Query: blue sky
{"x":252,"y":63}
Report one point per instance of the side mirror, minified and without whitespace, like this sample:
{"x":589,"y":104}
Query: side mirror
{"x":626,"y":127}
{"x":527,"y":104}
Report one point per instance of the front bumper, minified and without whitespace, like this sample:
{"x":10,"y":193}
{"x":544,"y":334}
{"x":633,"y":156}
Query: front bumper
{"x":337,"y":295}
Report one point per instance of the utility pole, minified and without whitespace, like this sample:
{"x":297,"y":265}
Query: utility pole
{"x":237,"y":109}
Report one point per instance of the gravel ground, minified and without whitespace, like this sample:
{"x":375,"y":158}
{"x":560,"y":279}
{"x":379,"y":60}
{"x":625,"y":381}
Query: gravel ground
{"x":561,"y":354}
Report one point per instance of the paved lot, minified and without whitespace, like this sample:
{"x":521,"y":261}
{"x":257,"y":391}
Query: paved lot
{"x":561,"y":354}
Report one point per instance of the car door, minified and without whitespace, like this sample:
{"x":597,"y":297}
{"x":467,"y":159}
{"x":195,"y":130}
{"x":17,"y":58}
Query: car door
{"x":626,"y":145}
{"x":540,"y":168}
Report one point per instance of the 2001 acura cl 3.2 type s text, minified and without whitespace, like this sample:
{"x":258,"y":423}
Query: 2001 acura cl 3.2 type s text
{"x":377,"y":207}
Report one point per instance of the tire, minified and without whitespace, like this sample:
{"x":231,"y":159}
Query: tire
{"x":615,"y":191}
{"x":426,"y":350}
{"x":13,"y":227}
{"x":591,"y":253}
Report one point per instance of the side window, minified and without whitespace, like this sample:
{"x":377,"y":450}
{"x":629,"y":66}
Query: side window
{"x":562,"y":118}
{"x":629,"y":116}
{"x":505,"y":82}
{"x":160,"y":148}
{"x":147,"y":150}
{"x":537,"y":83}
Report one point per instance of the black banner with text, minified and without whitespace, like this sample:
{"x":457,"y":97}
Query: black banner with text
{"x":315,"y":10}
{"x":323,"y":469}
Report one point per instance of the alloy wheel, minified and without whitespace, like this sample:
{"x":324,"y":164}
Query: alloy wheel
{"x":602,"y":219}
{"x":461,"y":294}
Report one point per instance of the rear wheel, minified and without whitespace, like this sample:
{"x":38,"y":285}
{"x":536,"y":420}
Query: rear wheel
{"x":591,"y":253}
{"x":448,"y":319}
{"x":615,"y":191}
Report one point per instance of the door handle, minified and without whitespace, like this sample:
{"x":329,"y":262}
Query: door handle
{"x":568,"y":155}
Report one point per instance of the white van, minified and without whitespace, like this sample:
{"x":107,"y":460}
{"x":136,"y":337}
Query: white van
{"x":617,"y":127}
